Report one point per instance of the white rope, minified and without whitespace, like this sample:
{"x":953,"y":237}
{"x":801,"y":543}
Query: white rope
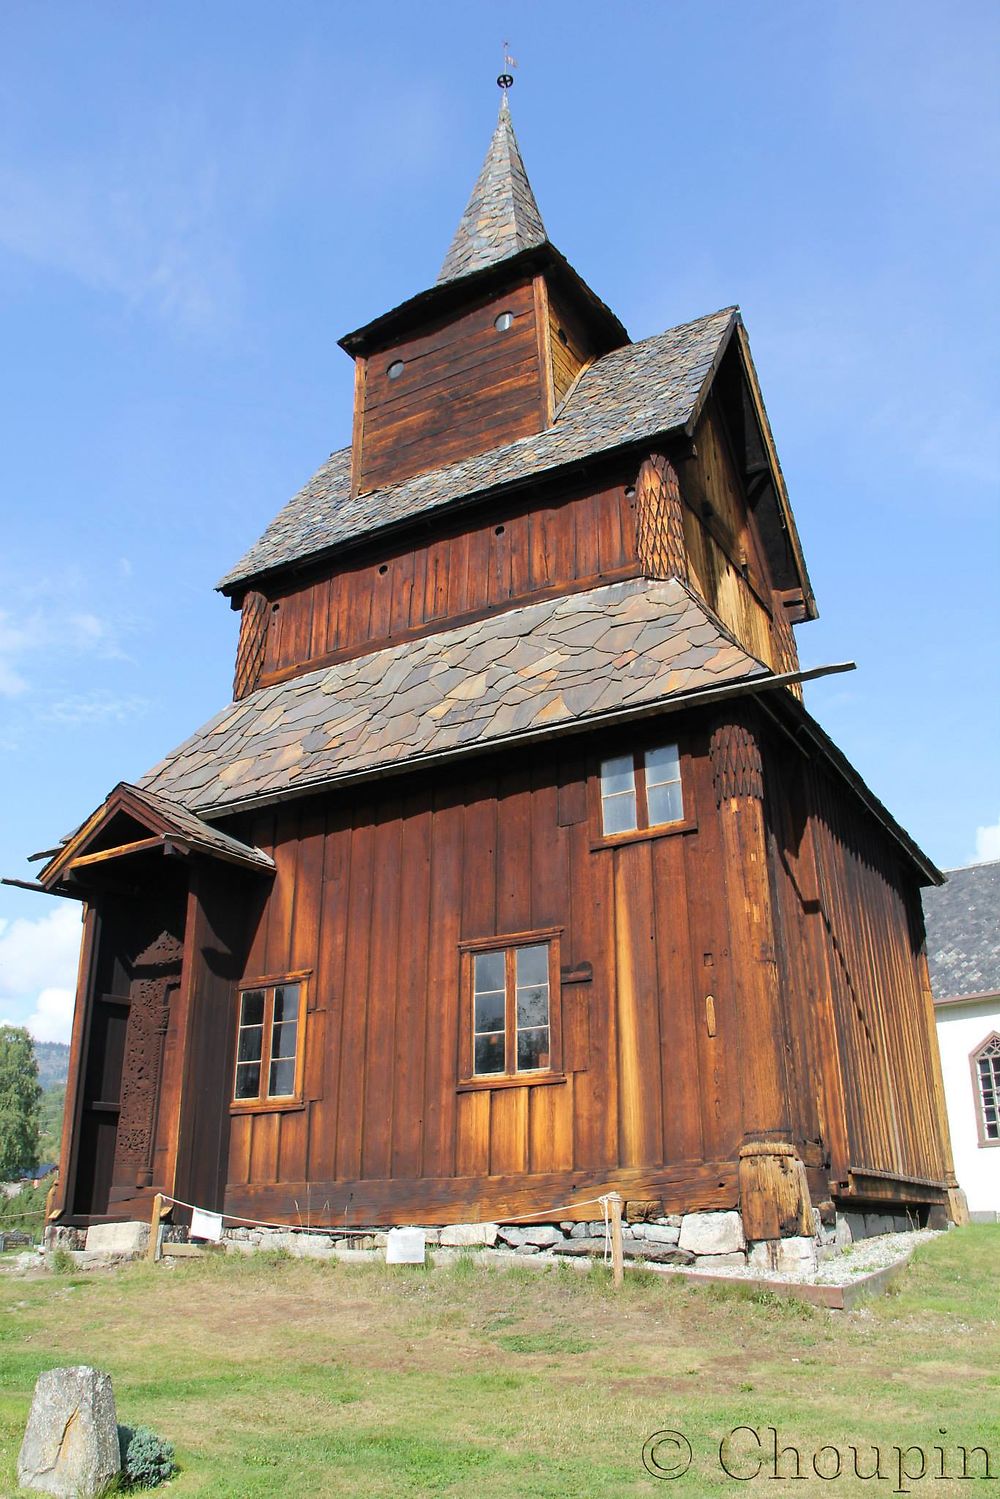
{"x":304,"y":1228}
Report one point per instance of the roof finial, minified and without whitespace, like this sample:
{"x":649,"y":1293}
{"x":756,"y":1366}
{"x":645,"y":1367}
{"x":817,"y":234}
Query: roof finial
{"x":505,"y":78}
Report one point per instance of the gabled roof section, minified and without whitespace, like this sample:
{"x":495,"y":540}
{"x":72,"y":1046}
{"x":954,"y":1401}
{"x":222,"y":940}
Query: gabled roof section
{"x":159,"y":821}
{"x":963,"y":933}
{"x":567,"y":663}
{"x":632,"y":394}
{"x":501,"y":216}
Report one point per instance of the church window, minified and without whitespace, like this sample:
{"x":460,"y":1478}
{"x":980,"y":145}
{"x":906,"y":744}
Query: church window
{"x":269,"y":1050}
{"x":395,"y":369}
{"x":986,"y":1081}
{"x":511,"y":1004}
{"x":504,"y":321}
{"x":641,"y":790}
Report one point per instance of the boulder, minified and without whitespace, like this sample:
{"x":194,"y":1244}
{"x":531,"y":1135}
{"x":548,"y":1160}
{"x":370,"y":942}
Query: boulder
{"x":590,"y":1245}
{"x":538,"y":1235}
{"x":70,"y":1445}
{"x":661,"y":1233}
{"x":712,"y":1233}
{"x":464,"y":1235}
{"x":795,"y":1256}
{"x":657,"y":1254}
{"x":118,"y":1238}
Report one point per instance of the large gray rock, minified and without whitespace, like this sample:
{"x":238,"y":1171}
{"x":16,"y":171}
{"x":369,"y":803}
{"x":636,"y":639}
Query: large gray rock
{"x":118,"y":1238}
{"x":467,"y":1235}
{"x":712,"y":1233}
{"x":536,"y":1235}
{"x":70,"y":1445}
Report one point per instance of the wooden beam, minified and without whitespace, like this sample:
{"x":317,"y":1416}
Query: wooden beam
{"x":120,"y":851}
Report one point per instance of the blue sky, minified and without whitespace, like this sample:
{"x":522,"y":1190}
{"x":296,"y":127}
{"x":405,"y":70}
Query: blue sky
{"x":197,"y":200}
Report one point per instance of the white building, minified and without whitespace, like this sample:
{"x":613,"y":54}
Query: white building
{"x":963,"y":953}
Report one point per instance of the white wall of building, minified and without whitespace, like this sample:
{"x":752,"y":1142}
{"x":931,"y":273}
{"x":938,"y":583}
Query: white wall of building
{"x":962,"y":1028}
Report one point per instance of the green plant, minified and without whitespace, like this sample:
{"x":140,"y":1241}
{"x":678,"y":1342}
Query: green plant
{"x":61,"y":1262}
{"x":147,"y":1460}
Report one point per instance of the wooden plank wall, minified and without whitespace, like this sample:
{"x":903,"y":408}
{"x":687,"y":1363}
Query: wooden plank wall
{"x":375,"y":894}
{"x":863,"y":1050}
{"x":465,"y":388}
{"x":570,"y":347}
{"x":504,"y":556}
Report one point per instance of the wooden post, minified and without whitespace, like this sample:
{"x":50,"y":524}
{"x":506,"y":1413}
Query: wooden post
{"x":617,"y":1253}
{"x":153,"y":1251}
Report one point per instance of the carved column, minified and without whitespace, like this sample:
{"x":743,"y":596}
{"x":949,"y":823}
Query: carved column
{"x":155,"y":974}
{"x":254,"y":622}
{"x":659,"y":520}
{"x":774,"y":1192}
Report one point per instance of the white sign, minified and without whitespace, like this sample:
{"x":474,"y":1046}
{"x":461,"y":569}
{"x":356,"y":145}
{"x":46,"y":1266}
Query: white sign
{"x":205,"y":1225}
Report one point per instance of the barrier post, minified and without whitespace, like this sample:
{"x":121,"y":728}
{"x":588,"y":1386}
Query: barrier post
{"x":617,"y":1252}
{"x":153,"y":1251}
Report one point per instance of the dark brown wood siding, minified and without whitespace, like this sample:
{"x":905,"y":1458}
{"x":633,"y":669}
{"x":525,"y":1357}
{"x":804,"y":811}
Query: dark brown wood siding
{"x":465,"y":388}
{"x":374,"y":897}
{"x":504,"y":556}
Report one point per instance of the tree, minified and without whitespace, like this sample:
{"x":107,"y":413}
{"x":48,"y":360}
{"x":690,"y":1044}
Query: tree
{"x":20,"y":1095}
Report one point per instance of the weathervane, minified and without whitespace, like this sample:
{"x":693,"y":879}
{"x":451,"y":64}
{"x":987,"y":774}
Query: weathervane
{"x":505,"y":78}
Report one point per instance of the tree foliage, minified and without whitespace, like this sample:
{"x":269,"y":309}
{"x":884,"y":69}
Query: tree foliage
{"x":20,"y":1096}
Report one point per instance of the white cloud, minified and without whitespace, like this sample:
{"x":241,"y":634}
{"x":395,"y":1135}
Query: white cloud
{"x":38,"y":963}
{"x":988,"y":843}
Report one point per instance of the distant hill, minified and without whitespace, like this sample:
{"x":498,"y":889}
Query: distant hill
{"x":53,"y":1063}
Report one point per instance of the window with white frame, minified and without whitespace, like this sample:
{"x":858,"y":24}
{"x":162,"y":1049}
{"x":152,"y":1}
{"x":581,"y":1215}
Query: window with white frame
{"x":641,"y":790}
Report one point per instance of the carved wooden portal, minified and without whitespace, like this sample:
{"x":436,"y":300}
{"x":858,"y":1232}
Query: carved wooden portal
{"x":156,"y":973}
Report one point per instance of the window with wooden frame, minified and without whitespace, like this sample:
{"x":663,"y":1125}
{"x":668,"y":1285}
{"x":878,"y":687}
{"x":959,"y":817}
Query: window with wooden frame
{"x":270,"y":1051}
{"x":641,"y":790}
{"x":511,"y":1031}
{"x":985,"y":1061}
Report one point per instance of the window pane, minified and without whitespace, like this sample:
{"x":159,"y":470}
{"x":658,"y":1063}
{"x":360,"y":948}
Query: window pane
{"x":533,"y":1006}
{"x":663,"y":764}
{"x":252,"y":1009}
{"x":282,"y":1083}
{"x":248,"y":1080}
{"x":489,"y":1012}
{"x":533,"y":1049}
{"x":617,"y":774}
{"x":533,"y":965}
{"x":286,"y":1002}
{"x":490,"y":1053}
{"x":619,"y":813}
{"x":283,"y":1040}
{"x":665,"y":803}
{"x":250,"y":1043}
{"x":489,"y":971}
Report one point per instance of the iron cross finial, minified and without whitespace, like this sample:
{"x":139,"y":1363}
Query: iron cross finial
{"x":505,"y":78}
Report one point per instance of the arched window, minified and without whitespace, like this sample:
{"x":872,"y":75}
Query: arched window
{"x":986,"y":1084}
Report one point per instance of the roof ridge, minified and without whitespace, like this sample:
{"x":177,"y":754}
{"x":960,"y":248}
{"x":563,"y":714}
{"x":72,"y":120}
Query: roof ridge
{"x":501,"y":217}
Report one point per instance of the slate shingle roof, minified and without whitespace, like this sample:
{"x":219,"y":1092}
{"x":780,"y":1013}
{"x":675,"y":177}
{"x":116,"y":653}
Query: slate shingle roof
{"x":501,"y":216}
{"x":635,"y":392}
{"x":963,"y":932}
{"x":543,"y":667}
{"x":203,"y":834}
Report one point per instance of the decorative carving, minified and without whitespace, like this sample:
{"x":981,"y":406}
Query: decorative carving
{"x":659,"y":520}
{"x":166,"y":951}
{"x":254,"y":622}
{"x":735,"y":754}
{"x":147,"y":1026}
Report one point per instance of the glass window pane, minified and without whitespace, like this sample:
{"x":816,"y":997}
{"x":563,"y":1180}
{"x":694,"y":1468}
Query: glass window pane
{"x":282,"y":1082}
{"x":619,"y":813}
{"x":533,"y":965}
{"x":248,"y":1080}
{"x":617,"y":774}
{"x":490,"y":1053}
{"x":663,"y":764}
{"x":489,"y":971}
{"x":251,"y":1037}
{"x":533,"y":1006}
{"x":286,"y":1002}
{"x":283,"y":1040}
{"x":533,"y":1049}
{"x":489,"y":1012}
{"x":665,"y":803}
{"x":252,"y":1009}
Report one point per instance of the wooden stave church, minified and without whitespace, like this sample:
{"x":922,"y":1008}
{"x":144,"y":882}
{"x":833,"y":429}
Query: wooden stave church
{"x":547,"y":549}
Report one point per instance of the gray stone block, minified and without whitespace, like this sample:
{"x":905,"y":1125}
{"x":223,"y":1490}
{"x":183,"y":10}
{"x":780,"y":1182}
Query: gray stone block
{"x":118,"y":1238}
{"x":468,"y":1235}
{"x":70,"y":1446}
{"x":535,"y":1235}
{"x":712,"y":1233}
{"x":857,"y":1225}
{"x":661,"y":1233}
{"x":716,"y":1261}
{"x":878,"y":1223}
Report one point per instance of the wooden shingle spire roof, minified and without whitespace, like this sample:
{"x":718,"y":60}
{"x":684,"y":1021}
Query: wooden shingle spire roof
{"x":501,"y":217}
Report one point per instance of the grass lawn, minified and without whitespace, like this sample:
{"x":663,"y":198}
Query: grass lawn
{"x":281,"y":1377}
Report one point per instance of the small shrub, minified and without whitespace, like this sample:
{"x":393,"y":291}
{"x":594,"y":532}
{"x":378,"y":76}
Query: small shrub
{"x":61,"y":1262}
{"x":147,"y":1460}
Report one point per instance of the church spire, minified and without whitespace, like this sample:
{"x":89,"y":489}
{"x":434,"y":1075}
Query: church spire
{"x":501,"y":216}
